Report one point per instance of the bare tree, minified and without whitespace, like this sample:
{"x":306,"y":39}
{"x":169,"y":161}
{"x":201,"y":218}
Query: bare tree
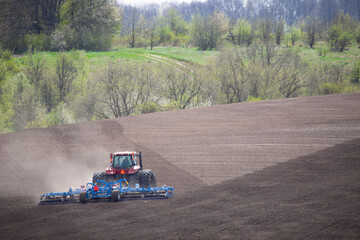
{"x":265,"y":28}
{"x":24,"y":102}
{"x":126,"y":86}
{"x":312,"y":27}
{"x":232,"y":75}
{"x":258,"y":71}
{"x":35,"y":68}
{"x":181,"y":87}
{"x":132,"y":28}
{"x":152,"y":32}
{"x":65,"y":75}
{"x":279,"y":31}
{"x":293,"y":76}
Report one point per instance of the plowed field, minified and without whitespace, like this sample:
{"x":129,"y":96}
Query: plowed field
{"x":283,"y":169}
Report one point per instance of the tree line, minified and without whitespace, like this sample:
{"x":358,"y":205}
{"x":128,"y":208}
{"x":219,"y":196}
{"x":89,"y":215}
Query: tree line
{"x":291,"y":11}
{"x":61,"y":25}
{"x":217,"y":29}
{"x":58,"y":25}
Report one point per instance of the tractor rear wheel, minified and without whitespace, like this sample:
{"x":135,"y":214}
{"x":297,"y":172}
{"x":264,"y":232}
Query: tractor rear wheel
{"x":110,"y":178}
{"x":134,"y":179}
{"x":83,"y":197}
{"x":115,"y":196}
{"x":147,"y":179}
{"x":99,"y":176}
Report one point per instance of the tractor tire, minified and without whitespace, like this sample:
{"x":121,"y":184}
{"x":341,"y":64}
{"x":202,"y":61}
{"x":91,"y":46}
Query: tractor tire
{"x":110,"y":178}
{"x":83,"y":197}
{"x":134,"y":179}
{"x":115,"y":196}
{"x":99,"y":176}
{"x":147,"y":179}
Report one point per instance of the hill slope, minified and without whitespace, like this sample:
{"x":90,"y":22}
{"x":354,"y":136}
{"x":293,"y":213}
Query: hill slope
{"x":229,"y":165}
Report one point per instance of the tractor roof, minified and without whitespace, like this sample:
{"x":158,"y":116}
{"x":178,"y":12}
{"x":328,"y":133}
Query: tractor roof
{"x":124,"y":153}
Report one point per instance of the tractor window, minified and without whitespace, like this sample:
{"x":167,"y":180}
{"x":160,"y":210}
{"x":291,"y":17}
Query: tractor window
{"x":122,"y":161}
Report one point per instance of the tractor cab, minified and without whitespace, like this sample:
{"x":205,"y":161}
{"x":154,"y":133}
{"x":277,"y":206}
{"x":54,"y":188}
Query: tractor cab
{"x":123,"y":161}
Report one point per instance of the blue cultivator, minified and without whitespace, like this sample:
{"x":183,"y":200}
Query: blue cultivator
{"x":61,"y":197}
{"x":114,"y":191}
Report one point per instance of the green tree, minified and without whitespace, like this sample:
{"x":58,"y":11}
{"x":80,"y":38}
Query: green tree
{"x":208,"y":32}
{"x":243,"y":32}
{"x":93,"y":23}
{"x":164,"y":32}
{"x":177,"y":25}
{"x":7,"y":65}
{"x":295,"y":34}
{"x":25,"y":24}
{"x":198,"y":32}
{"x":340,"y":33}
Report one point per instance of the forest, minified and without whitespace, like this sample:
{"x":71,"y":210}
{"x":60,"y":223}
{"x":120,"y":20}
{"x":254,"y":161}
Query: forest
{"x":67,"y":61}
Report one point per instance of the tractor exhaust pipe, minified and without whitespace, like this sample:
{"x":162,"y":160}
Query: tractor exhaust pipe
{"x":140,"y":160}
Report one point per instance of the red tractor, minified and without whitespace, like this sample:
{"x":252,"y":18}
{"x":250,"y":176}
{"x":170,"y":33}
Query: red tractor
{"x":127,"y":165}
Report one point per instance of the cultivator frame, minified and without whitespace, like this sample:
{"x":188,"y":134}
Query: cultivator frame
{"x":61,"y":197}
{"x":101,"y":190}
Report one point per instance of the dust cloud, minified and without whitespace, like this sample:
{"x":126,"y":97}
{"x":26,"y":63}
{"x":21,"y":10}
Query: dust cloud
{"x":38,"y":161}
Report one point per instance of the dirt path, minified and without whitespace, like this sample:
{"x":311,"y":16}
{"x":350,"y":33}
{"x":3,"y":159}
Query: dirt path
{"x":167,"y":61}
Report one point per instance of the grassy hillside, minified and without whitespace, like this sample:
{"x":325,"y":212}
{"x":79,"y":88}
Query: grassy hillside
{"x":51,"y":88}
{"x":190,"y":55}
{"x":321,"y":54}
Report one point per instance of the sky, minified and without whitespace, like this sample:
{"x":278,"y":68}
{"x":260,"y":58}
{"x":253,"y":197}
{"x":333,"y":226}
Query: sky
{"x":141,"y":2}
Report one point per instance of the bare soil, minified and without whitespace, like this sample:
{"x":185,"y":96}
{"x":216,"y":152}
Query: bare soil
{"x":283,"y":169}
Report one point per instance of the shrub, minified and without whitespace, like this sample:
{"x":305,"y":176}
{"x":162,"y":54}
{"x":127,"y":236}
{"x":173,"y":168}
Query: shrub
{"x":355,"y":73}
{"x":61,"y":38}
{"x":148,"y":107}
{"x":253,"y":99}
{"x":38,"y":42}
{"x":328,"y":88}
